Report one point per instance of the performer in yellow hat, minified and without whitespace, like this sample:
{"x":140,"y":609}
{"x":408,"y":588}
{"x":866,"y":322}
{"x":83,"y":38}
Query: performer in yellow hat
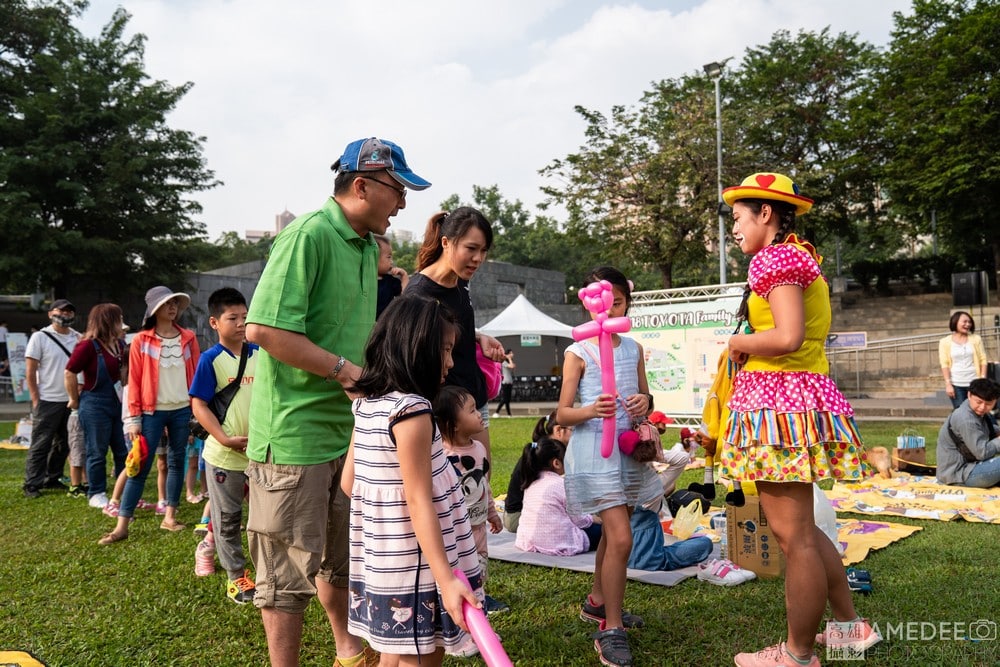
{"x":789,"y":425}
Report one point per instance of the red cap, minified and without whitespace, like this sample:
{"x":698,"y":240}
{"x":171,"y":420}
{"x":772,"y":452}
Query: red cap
{"x":686,"y":433}
{"x":658,"y":417}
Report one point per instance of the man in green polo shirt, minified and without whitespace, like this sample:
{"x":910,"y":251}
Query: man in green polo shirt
{"x":311,"y":315}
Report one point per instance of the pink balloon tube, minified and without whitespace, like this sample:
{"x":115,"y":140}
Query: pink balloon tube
{"x":598,"y":299}
{"x":482,"y":632}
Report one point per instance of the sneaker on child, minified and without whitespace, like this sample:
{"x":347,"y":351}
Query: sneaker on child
{"x":204,"y":559}
{"x":201,"y":528}
{"x":493,"y":606}
{"x":98,"y":500}
{"x":112,"y":509}
{"x":774,"y":656}
{"x":241,"y":590}
{"x":466,"y":649}
{"x":722,"y":572}
{"x":612,"y":647}
{"x":77,"y":491}
{"x":146,"y":505}
{"x":161,"y":507}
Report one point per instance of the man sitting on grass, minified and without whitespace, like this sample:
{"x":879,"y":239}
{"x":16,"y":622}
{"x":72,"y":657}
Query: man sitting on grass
{"x":968,"y":449}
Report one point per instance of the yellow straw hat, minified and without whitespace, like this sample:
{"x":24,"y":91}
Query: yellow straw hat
{"x":768,"y":185}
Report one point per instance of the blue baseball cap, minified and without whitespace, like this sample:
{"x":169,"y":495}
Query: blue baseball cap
{"x":374,"y":154}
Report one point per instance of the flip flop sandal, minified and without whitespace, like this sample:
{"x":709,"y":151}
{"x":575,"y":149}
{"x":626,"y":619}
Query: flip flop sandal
{"x":172,"y":527}
{"x":111,"y":538}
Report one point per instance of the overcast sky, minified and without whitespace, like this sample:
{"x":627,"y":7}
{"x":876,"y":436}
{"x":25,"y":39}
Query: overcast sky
{"x":476,"y":93}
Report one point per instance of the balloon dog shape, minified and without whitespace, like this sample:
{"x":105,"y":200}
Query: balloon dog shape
{"x":598,"y":298}
{"x":482,"y":632}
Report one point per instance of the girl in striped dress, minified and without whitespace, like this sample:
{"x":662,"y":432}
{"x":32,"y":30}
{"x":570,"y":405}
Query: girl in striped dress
{"x":789,"y":424}
{"x":409,"y":525}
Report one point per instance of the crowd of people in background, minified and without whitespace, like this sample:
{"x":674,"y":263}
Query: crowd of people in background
{"x":343,"y":417}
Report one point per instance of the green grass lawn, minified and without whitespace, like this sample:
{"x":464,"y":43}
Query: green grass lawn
{"x":71,"y":602}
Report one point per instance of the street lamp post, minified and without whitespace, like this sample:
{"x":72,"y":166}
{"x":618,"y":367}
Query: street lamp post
{"x":714,"y":70}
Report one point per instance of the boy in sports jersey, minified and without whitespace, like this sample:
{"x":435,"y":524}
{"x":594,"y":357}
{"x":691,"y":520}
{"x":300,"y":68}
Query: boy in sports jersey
{"x":226,"y":444}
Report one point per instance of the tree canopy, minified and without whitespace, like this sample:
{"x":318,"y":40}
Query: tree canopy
{"x":96,"y":189}
{"x":95,"y":186}
{"x":939,"y":120}
{"x":878,"y":139}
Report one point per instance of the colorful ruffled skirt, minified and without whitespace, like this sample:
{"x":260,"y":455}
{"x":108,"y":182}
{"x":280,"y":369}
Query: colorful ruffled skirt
{"x":790,"y":426}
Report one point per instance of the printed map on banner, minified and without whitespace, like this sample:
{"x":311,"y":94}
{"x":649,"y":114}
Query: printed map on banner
{"x":682,"y":343}
{"x":917,"y":497}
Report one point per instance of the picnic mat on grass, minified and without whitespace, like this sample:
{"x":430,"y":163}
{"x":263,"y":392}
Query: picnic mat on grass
{"x":859,"y":537}
{"x":8,"y":444}
{"x":19,"y":658}
{"x":502,"y":548}
{"x":916,"y":497}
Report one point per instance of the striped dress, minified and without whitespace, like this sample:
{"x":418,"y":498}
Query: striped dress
{"x":394,"y":601}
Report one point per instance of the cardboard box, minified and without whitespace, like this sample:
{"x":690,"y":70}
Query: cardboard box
{"x":752,"y":545}
{"x":909,"y":459}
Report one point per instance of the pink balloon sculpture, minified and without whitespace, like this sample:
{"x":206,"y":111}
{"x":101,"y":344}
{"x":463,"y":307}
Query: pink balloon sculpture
{"x":598,"y":298}
{"x":482,"y":632}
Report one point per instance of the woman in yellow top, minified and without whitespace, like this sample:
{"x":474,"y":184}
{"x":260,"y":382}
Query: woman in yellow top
{"x":963,"y":357}
{"x":789,"y":425}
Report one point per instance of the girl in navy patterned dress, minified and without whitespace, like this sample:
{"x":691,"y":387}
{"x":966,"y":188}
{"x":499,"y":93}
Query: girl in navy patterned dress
{"x":409,"y":525}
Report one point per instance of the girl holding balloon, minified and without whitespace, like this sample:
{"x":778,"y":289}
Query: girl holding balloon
{"x":600,"y":479}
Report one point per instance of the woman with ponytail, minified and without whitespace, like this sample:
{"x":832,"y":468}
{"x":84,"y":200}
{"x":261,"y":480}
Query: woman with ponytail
{"x":789,"y":425}
{"x":546,"y":527}
{"x":455,"y":246}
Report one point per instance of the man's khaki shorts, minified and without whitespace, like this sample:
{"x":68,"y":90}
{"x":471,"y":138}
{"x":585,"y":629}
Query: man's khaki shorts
{"x":297,"y":530}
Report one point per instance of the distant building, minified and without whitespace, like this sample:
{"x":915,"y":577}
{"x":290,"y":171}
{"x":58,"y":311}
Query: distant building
{"x":400,"y":235}
{"x":256,"y":235}
{"x":281,"y":221}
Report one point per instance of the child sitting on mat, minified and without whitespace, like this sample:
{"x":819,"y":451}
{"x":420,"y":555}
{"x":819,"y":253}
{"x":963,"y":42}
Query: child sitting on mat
{"x":545,"y":526}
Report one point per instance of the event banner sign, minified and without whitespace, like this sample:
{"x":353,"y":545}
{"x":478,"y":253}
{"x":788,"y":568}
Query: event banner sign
{"x":16,"y":344}
{"x":682,"y":342}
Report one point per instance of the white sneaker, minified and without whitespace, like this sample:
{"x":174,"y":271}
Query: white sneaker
{"x":98,"y":500}
{"x":496,"y":415}
{"x":466,"y":649}
{"x":722,"y":572}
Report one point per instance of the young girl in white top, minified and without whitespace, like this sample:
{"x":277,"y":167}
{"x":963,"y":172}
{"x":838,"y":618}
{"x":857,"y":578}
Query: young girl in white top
{"x":609,"y":487}
{"x":409,"y":525}
{"x":545,"y":526}
{"x":458,"y":418}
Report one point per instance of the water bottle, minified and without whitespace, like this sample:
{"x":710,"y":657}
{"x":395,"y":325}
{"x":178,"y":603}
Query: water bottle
{"x":719,"y":523}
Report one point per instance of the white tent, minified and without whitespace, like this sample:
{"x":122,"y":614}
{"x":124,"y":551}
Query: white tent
{"x":521,"y":317}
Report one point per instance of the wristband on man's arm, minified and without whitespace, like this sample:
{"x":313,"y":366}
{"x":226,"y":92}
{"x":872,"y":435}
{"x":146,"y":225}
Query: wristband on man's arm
{"x":339,"y":366}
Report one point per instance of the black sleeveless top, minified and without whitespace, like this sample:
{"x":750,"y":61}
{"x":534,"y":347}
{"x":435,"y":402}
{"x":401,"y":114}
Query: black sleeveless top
{"x":465,"y":373}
